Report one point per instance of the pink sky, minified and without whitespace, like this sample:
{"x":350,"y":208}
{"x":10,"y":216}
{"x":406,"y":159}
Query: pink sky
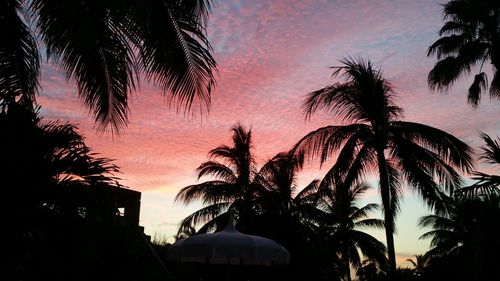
{"x":270,"y":54}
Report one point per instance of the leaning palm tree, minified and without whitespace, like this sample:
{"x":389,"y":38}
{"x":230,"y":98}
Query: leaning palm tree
{"x":470,"y":37}
{"x":231,"y":188}
{"x":344,"y":220}
{"x":106,"y":47}
{"x":487,"y":185}
{"x":377,"y":139}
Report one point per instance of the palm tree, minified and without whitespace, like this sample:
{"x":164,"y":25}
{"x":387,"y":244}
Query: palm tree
{"x":105,"y":47}
{"x":468,"y":235}
{"x":288,"y":214}
{"x":377,"y":138}
{"x":469,"y":37}
{"x":289,"y":209}
{"x":486,"y":185}
{"x":232,"y":187}
{"x":343,"y":219}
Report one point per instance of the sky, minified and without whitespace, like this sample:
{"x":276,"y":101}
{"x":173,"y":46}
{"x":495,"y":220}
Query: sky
{"x":270,"y":54}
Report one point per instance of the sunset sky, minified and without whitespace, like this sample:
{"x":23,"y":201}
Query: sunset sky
{"x":270,"y":54}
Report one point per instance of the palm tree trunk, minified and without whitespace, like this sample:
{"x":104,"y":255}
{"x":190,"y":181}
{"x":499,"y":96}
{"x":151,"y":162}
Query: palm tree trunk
{"x":388,"y":211}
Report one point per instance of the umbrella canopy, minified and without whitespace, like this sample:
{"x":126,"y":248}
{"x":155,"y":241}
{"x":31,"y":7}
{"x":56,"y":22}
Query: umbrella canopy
{"x":228,"y":246}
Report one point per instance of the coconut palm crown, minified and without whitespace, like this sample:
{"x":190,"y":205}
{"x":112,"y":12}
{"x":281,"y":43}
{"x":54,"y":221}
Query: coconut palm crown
{"x":231,"y":186}
{"x":376,"y":139}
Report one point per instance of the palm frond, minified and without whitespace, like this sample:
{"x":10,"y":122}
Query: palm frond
{"x":364,"y":211}
{"x":479,"y":85}
{"x":209,"y":192}
{"x":215,"y":224}
{"x":324,"y":141}
{"x":224,"y":152}
{"x":432,"y":220}
{"x":353,"y":171}
{"x":446,"y":46}
{"x":454,"y":151}
{"x":370,"y":247}
{"x":370,"y":223}
{"x":279,"y":173}
{"x":487,"y":186}
{"x":199,"y":8}
{"x":420,"y":176}
{"x":216,"y":169}
{"x":19,"y":56}
{"x":495,"y":85}
{"x":83,"y":38}
{"x":452,"y":28}
{"x":491,"y":150}
{"x":175,"y":52}
{"x":203,"y":215}
{"x":446,"y":71}
{"x":308,"y":191}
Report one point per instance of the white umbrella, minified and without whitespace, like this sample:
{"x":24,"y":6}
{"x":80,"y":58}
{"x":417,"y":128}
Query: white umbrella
{"x":229,"y":246}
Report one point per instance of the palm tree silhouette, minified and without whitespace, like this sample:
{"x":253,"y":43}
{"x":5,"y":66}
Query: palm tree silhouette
{"x":468,"y":234}
{"x":290,"y":210}
{"x":423,"y":156}
{"x":232,"y":187}
{"x":469,"y":37}
{"x":106,"y":47}
{"x":343,"y":219}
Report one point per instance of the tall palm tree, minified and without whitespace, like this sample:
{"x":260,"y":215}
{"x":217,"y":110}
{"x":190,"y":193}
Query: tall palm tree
{"x":470,"y":37}
{"x":106,"y":47}
{"x":377,"y":139}
{"x":343,"y":220}
{"x":232,"y":186}
{"x":486,"y":185}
